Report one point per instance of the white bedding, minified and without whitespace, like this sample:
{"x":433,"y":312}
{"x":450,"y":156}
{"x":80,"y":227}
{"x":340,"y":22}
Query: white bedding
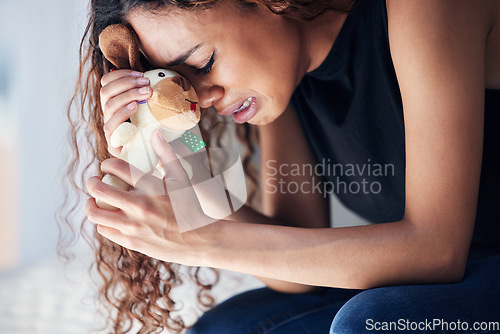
{"x":46,"y":299}
{"x":39,"y":299}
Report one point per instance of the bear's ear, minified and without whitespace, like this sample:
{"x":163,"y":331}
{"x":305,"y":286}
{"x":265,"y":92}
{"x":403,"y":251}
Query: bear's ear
{"x":120,"y":45}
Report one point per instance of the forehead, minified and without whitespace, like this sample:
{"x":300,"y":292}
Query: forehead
{"x":167,"y":33}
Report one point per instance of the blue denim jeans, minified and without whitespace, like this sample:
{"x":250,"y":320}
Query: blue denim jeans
{"x":464,"y":307}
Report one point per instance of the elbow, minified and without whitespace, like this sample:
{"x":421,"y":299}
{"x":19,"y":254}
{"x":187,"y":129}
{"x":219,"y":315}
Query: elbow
{"x":446,"y":268}
{"x":296,"y":289}
{"x":287,"y":287}
{"x":441,"y":263}
{"x":441,"y":257}
{"x":450,"y":268}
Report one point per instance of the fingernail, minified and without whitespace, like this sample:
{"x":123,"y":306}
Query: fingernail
{"x":136,"y":74}
{"x":144,"y":90}
{"x":143,"y":81}
{"x":131,"y":106}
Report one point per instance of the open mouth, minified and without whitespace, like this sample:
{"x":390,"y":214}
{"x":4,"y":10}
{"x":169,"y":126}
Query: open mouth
{"x":244,"y":106}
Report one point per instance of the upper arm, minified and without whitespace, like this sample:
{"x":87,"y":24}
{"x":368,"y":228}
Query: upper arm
{"x":438,"y":51}
{"x":283,"y":146}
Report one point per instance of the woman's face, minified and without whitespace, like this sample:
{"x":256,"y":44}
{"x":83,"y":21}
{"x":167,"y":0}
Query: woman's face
{"x":230,"y":55}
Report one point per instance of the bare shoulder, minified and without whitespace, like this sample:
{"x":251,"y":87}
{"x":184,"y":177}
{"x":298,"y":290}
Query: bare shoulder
{"x":447,"y":10}
{"x":475,"y":23}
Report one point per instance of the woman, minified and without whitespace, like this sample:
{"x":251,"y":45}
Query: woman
{"x":396,"y":99}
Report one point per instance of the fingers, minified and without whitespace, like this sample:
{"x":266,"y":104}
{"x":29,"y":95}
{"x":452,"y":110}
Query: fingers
{"x":168,"y":158}
{"x":141,"y":182}
{"x":118,"y":117}
{"x":112,"y":219}
{"x":109,"y":223}
{"x":117,"y":82}
{"x":112,"y":195}
{"x":115,"y":152}
{"x":114,"y":122}
{"x":112,"y":234}
{"x":123,"y":93}
{"x":119,"y":95}
{"x":114,"y":75}
{"x":123,"y":170}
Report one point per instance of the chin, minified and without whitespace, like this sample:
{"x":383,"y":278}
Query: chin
{"x":256,"y":120}
{"x":265,"y":116}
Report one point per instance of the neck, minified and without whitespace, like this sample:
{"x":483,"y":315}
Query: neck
{"x":318,"y":37}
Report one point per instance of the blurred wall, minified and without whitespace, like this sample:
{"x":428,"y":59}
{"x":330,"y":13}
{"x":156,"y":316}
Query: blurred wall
{"x":38,"y":64}
{"x":39,"y":46}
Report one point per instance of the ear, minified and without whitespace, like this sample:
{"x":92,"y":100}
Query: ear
{"x":120,"y":45}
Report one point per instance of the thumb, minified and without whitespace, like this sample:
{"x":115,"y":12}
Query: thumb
{"x":168,"y":158}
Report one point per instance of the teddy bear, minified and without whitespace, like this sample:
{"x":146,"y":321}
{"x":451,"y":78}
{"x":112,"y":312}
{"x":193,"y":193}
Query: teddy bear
{"x":173,"y":109}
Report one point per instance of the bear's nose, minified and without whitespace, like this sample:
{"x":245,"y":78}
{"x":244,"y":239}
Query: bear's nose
{"x":181,"y":81}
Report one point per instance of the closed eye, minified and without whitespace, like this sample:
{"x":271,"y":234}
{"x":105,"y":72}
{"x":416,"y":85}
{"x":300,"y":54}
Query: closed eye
{"x":208,"y":67}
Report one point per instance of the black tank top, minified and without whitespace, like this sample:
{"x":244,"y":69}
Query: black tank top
{"x":351,"y":112}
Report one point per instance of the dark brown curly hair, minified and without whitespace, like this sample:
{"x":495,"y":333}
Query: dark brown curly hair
{"x":134,"y":286}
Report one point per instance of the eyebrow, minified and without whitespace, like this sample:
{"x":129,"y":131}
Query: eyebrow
{"x":184,"y":57}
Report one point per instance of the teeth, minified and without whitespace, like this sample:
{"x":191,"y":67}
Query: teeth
{"x":245,"y":105}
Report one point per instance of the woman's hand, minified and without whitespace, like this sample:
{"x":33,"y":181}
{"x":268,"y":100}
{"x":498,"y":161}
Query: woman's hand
{"x":145,"y":220}
{"x":120,"y":92}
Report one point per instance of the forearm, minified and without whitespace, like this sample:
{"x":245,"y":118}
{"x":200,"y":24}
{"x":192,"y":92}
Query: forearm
{"x":248,"y":214}
{"x":353,"y":257}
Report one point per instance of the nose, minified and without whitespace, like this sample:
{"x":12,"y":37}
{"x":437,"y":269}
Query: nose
{"x":209,"y":95}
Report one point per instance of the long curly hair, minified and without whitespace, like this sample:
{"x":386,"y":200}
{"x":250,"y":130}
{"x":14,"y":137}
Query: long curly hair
{"x":135,"y":288}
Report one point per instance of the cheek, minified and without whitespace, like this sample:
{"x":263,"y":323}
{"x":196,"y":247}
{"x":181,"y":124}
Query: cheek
{"x":273,"y":84}
{"x":268,"y":49}
{"x":271,"y":75}
{"x":275,"y":69}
